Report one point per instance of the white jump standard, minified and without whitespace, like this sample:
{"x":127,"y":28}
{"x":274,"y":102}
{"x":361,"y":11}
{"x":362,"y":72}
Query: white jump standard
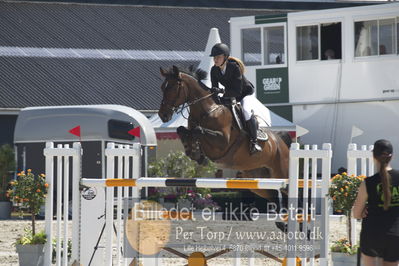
{"x":124,"y":162}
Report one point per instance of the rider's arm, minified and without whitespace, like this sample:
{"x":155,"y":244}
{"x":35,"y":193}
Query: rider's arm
{"x":214,"y":78}
{"x":236,"y":81}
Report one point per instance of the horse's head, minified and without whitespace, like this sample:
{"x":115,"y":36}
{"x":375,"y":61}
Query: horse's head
{"x":174,"y":93}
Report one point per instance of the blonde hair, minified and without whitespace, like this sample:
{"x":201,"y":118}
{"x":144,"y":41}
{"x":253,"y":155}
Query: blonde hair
{"x":240,"y":64}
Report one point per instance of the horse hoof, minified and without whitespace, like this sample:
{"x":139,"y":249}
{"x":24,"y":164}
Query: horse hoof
{"x":181,"y":130}
{"x":197,"y":132}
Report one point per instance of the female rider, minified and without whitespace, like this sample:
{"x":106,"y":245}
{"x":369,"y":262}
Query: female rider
{"x":229,"y":72}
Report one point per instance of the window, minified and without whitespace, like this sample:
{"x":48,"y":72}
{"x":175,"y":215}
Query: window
{"x":397,"y":35}
{"x":119,"y":129}
{"x":307,"y":43}
{"x":251,"y":47}
{"x":321,"y":42}
{"x":387,"y":36}
{"x":330,"y":41}
{"x":273,"y":41}
{"x":375,"y":37}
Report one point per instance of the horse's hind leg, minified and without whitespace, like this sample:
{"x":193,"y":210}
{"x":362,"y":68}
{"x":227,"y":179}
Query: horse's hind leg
{"x":281,"y":161}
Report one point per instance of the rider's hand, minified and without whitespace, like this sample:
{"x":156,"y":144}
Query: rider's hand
{"x":217,"y":90}
{"x":365,"y":212}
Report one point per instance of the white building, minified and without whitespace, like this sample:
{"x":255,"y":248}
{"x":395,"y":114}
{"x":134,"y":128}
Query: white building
{"x":327,"y":70}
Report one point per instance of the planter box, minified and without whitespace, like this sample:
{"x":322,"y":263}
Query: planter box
{"x":5,"y":210}
{"x":30,"y":255}
{"x":342,"y":259}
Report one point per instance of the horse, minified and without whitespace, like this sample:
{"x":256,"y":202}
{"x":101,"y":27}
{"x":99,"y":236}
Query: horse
{"x":213,"y":132}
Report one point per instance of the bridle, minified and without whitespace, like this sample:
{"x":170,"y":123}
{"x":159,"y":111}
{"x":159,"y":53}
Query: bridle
{"x":186,"y":103}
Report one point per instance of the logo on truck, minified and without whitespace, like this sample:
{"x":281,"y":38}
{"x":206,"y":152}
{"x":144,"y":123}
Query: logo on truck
{"x":272,"y":85}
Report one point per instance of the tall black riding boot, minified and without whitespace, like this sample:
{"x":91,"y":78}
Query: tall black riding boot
{"x":252,"y":125}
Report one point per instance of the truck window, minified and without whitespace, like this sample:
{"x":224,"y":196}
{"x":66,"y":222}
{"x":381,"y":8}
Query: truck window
{"x":397,"y":35}
{"x":330,"y":41}
{"x":307,"y":43}
{"x":274,"y":45}
{"x":251,"y":47}
{"x":319,"y":42}
{"x":386,"y":36}
{"x":376,"y":37}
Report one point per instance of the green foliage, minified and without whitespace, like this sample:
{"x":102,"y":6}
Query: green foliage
{"x":7,"y":165}
{"x":177,"y":164}
{"x":54,"y":251}
{"x":343,"y":246}
{"x":30,"y":239}
{"x":29,"y":190}
{"x":343,"y":190}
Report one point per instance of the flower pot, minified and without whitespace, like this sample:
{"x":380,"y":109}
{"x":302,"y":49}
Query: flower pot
{"x":30,"y":255}
{"x":343,"y":259}
{"x":5,"y":210}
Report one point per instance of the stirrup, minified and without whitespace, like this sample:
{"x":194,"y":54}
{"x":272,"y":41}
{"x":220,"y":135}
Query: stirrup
{"x":254,"y":147}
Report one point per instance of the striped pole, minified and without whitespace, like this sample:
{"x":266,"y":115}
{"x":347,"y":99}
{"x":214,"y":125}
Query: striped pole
{"x":265,"y":183}
{"x":188,"y":182}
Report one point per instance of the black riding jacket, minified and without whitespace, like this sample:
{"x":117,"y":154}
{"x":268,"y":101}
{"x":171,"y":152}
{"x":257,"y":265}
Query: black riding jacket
{"x":235,"y":84}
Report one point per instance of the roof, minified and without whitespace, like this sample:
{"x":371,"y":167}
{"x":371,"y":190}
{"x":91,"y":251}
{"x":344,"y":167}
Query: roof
{"x":30,"y":77}
{"x":70,"y":25}
{"x":56,"y":81}
{"x":33,"y":124}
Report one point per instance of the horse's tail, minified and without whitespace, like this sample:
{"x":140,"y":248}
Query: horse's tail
{"x":285,"y":136}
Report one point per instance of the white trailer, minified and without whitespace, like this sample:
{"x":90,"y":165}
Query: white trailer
{"x":327,"y":70}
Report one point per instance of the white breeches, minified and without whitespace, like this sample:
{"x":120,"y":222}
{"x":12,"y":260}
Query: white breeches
{"x":251,"y":103}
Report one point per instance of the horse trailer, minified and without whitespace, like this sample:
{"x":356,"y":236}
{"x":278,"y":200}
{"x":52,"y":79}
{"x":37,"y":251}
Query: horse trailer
{"x":99,"y":124}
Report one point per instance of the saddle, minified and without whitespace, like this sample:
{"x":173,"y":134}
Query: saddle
{"x":238,"y":115}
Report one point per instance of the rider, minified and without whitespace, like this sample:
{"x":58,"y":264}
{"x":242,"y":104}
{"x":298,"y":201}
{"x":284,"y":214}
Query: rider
{"x":229,"y":72}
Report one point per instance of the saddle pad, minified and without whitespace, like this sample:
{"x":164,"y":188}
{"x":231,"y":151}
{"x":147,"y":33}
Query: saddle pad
{"x":262,"y":134}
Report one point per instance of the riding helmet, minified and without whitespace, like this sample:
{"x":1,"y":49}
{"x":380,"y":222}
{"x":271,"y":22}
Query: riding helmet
{"x":220,"y":48}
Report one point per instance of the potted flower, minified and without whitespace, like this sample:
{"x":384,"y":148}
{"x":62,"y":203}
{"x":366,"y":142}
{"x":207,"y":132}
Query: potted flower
{"x":29,"y":191}
{"x":184,"y":196}
{"x":201,"y":202}
{"x":7,"y":165}
{"x":343,"y":191}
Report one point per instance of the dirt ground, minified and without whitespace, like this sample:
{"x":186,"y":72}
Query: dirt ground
{"x":11,"y":229}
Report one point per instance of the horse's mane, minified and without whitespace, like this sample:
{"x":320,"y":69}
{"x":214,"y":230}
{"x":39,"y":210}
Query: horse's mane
{"x":197,"y":73}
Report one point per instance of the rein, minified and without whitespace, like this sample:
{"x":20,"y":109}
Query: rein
{"x":187,"y":103}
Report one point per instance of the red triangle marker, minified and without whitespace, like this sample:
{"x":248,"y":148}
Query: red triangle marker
{"x":75,"y":131}
{"x":135,"y":132}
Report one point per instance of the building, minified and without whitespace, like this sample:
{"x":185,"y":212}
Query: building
{"x":327,"y":70}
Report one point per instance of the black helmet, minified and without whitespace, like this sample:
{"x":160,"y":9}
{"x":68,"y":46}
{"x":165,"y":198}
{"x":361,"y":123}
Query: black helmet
{"x":220,"y":48}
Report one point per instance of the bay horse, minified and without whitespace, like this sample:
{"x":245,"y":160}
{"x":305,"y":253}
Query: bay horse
{"x":212,"y":130}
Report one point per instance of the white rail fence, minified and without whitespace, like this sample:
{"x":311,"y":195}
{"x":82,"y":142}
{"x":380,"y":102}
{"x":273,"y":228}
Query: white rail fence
{"x":98,"y":211}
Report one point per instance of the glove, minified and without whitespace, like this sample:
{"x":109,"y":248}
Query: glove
{"x":217,"y":90}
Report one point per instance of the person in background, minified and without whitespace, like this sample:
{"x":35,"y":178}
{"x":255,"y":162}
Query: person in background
{"x":329,"y":54}
{"x":377,"y":204}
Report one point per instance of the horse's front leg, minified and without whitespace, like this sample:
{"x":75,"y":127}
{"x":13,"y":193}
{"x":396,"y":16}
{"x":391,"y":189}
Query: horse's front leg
{"x":191,"y":146}
{"x":213,"y":136}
